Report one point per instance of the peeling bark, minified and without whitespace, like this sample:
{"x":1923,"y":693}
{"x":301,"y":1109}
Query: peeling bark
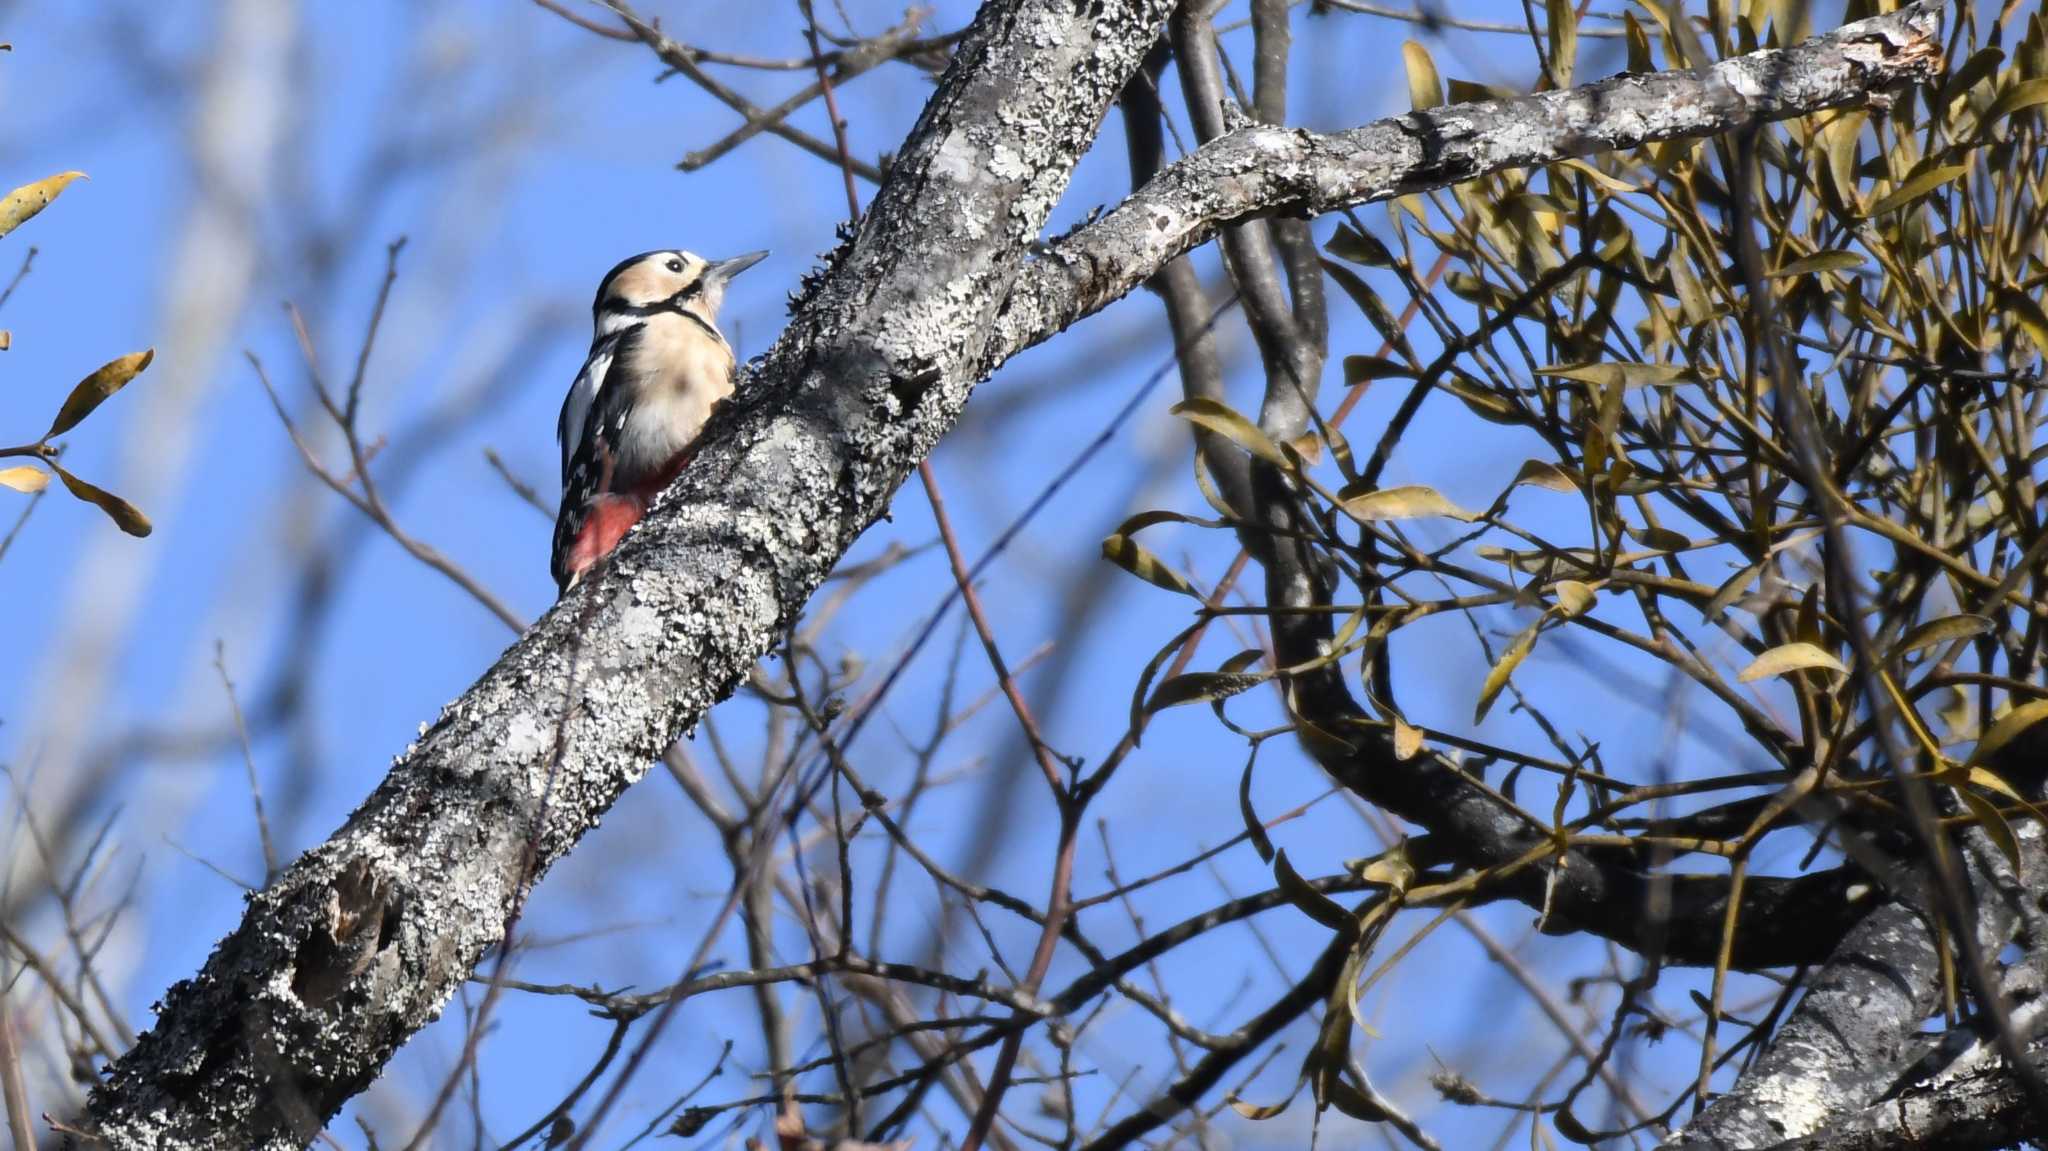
{"x":363,"y":940}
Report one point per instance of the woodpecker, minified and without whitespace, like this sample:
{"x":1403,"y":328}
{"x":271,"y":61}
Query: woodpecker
{"x":657,"y":367}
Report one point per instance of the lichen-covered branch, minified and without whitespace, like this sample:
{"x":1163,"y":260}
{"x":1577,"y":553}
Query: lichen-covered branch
{"x":363,"y":940}
{"x":1266,"y":170}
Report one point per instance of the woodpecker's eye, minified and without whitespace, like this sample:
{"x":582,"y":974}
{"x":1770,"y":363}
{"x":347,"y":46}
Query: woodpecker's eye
{"x":675,"y":265}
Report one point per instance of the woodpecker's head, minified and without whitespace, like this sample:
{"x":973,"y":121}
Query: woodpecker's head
{"x":667,"y":282}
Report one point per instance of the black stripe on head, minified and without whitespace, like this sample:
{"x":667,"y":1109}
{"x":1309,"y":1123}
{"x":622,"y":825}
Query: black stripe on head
{"x":605,"y":285}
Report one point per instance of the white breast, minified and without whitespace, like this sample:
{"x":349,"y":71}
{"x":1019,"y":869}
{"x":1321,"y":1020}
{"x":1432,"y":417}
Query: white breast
{"x":681,"y":372}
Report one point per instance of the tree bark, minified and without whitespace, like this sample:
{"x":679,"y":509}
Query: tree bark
{"x":363,"y":940}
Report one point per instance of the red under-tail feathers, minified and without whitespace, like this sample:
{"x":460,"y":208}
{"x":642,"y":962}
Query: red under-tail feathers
{"x":611,"y":515}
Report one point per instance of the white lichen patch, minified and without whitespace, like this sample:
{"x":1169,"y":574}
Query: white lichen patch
{"x":639,"y":626}
{"x":1005,"y":163}
{"x":958,"y":159}
{"x":526,"y":739}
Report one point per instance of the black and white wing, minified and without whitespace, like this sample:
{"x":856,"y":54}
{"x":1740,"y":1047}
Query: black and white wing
{"x":596,"y":410}
{"x":582,"y":393}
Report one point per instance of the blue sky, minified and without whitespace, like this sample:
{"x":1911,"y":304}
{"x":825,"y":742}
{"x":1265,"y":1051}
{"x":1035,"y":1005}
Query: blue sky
{"x":546,"y":154}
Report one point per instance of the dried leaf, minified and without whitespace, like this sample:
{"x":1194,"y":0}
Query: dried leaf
{"x":24,"y":478}
{"x":1790,"y":657}
{"x":1406,"y":502}
{"x":1407,"y":739}
{"x":1226,"y":422}
{"x":124,"y":514}
{"x":93,"y":390}
{"x":29,"y":199}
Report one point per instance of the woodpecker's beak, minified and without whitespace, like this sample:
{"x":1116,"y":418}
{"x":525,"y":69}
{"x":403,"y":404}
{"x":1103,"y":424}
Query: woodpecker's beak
{"x":727,"y":269}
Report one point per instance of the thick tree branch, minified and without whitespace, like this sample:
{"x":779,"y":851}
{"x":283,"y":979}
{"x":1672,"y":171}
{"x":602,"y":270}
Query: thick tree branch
{"x":1265,"y":170}
{"x":362,"y":941}
{"x":1852,"y":1066}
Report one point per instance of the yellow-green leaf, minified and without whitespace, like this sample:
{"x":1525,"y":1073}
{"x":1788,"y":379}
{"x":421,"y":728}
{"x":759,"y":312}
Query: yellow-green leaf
{"x":1406,"y":502}
{"x":1915,"y":187}
{"x":1639,"y":59}
{"x":1564,"y":39}
{"x":1360,"y":247}
{"x":1130,"y":555}
{"x":1819,"y":262}
{"x":2009,"y":727}
{"x":24,"y":478}
{"x":1660,"y":539}
{"x":1357,"y":368}
{"x":1202,"y":687}
{"x":29,"y":199}
{"x":1221,"y":419}
{"x":1504,"y":667}
{"x":1481,"y":400}
{"x":2018,"y":98}
{"x":1940,"y":631}
{"x":1391,"y":868}
{"x":1342,"y":1094}
{"x":124,"y":514}
{"x":1543,"y":474}
{"x":1259,"y":1111}
{"x":1313,"y":903}
{"x":93,"y":390}
{"x":1617,"y":375}
{"x":1983,"y":778}
{"x":1790,"y":657}
{"x":1994,"y":825}
{"x":1425,"y":89}
{"x":1573,"y":597}
{"x":1972,"y":72}
{"x":1729,"y":591}
{"x":2027,"y":313}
